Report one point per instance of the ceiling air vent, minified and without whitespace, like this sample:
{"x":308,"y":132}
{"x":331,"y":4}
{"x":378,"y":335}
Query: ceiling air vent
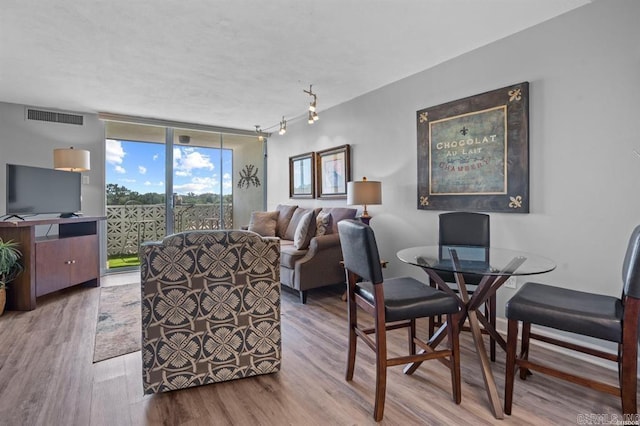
{"x":54,"y":117}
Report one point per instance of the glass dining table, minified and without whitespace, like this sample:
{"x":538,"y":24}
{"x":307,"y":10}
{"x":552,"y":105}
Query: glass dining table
{"x":495,"y":266}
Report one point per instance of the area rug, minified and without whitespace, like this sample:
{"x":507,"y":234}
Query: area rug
{"x":118,"y":331}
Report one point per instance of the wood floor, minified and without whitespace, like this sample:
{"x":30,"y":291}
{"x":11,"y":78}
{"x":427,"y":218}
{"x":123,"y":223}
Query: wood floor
{"x":47,"y":378}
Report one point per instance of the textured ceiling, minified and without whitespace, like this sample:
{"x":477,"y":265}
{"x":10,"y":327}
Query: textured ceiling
{"x":236,"y":63}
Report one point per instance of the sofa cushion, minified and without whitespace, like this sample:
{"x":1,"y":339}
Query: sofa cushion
{"x":264,"y":223}
{"x":293,"y":223}
{"x":284,"y":217}
{"x":323,"y":223}
{"x":337,"y":214}
{"x":286,"y":243}
{"x":289,"y":255}
{"x":302,"y":236}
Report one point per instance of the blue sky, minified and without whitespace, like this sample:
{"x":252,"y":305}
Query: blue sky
{"x":139,"y":166}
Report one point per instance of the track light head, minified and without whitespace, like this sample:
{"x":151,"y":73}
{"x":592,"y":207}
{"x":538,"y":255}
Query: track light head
{"x":283,"y":126}
{"x":310,"y":120}
{"x":315,"y":116}
{"x":312,"y":105}
{"x":259,"y":132}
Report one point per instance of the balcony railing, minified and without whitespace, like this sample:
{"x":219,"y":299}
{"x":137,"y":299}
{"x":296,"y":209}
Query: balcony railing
{"x":131,"y":224}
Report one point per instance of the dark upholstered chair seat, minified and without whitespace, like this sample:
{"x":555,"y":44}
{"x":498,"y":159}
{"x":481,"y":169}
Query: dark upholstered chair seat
{"x":603,"y":317}
{"x":587,"y":314}
{"x":406,"y":297}
{"x":469,"y":279}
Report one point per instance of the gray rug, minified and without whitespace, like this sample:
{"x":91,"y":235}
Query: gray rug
{"x":118,"y":331}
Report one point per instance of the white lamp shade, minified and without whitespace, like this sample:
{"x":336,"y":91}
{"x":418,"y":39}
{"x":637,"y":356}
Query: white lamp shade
{"x":73,"y":160}
{"x":366,"y":192}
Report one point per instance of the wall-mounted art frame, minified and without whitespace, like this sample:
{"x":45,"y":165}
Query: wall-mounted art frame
{"x":333,"y":171}
{"x":473,"y":153}
{"x":302,"y":175}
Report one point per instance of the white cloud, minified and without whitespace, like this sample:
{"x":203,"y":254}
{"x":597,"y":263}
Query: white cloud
{"x":155,"y":157}
{"x":185,"y":160}
{"x":114,"y":152}
{"x":198,"y":185}
{"x":127,"y":180}
{"x":120,"y":169}
{"x":142,"y":170}
{"x":226,"y":181}
{"x":149,"y":183}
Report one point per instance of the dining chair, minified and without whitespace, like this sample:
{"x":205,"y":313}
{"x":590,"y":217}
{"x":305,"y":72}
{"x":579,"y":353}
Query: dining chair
{"x":393,"y":303}
{"x":603,"y":317}
{"x":466,"y":229}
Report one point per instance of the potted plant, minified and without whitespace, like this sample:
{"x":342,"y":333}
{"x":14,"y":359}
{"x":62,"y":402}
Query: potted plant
{"x":10,"y":267}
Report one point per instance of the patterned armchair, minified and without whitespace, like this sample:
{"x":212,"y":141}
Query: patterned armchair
{"x":210,"y":308}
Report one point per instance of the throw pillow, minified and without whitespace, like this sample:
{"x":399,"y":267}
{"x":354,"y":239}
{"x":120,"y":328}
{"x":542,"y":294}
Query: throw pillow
{"x":285,"y":212}
{"x":323,"y":224}
{"x":264,"y":223}
{"x":301,"y":237}
{"x":293,"y":223}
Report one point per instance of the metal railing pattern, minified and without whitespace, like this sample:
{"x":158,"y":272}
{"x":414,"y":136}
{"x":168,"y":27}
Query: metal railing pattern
{"x":131,"y":224}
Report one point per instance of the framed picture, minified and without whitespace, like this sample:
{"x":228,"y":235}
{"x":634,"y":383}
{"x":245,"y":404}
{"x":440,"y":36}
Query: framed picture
{"x":301,"y":175}
{"x":473,"y":153}
{"x":333,"y":171}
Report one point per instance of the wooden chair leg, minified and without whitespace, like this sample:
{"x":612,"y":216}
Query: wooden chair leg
{"x":492,"y":320}
{"x":432,"y":321}
{"x":381,"y":366}
{"x":629,"y":369}
{"x":510,"y":365}
{"x":524,"y":348}
{"x":352,"y":320}
{"x":412,"y":336}
{"x":432,"y":326}
{"x":453,"y":334}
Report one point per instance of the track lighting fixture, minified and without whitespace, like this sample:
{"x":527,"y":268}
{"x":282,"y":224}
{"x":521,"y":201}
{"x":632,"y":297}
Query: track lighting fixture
{"x":259,"y":132}
{"x":283,"y":126}
{"x":313,"y":115}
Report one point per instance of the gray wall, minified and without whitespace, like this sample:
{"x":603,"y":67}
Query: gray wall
{"x":247,"y":200}
{"x":583,"y":69}
{"x":31,"y":143}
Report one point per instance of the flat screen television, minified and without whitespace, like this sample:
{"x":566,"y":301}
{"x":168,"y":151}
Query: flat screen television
{"x":37,"y":190}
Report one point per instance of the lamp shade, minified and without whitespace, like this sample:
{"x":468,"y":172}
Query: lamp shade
{"x":366,"y":192}
{"x":73,"y":160}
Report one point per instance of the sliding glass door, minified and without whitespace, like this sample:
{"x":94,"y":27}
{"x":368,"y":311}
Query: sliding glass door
{"x":162,"y":180}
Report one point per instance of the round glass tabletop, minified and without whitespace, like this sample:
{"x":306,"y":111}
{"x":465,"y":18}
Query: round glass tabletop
{"x":477,"y":260}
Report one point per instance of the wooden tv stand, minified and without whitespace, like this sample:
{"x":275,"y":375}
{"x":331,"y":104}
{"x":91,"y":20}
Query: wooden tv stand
{"x":54,"y":262}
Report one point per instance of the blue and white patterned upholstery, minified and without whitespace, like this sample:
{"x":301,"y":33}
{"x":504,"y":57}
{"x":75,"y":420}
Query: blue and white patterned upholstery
{"x":210,"y":308}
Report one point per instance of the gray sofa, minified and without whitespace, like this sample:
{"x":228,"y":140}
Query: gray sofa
{"x":310,"y":251}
